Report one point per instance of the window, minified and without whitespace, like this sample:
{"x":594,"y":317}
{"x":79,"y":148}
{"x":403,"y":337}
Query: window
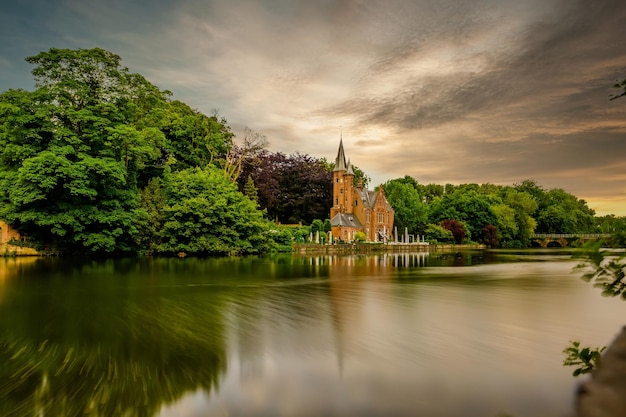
{"x":380,"y":217}
{"x":367,"y":217}
{"x":341,"y":191}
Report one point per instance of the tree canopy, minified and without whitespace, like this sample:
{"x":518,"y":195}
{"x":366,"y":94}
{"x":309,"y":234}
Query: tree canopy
{"x":76,"y":153}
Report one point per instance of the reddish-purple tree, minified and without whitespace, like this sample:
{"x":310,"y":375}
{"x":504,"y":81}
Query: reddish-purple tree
{"x":490,"y":236}
{"x":456,"y":227}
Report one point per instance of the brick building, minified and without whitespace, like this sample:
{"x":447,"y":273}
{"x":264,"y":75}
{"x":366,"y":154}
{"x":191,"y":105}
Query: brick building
{"x":357,"y":209}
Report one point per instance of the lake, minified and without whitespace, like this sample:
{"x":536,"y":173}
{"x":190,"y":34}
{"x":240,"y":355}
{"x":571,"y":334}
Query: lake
{"x":476,"y":333}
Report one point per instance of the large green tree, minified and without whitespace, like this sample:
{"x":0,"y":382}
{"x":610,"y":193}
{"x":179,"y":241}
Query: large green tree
{"x":562,"y":212}
{"x":466,"y":205}
{"x":206,"y":214}
{"x":524,"y":206}
{"x":409,"y":210}
{"x":76,"y":151}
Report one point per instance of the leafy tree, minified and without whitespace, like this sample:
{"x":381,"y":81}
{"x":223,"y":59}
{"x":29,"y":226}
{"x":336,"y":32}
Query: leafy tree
{"x":360,"y":237}
{"x":562,"y":212}
{"x":524,"y":206}
{"x":59,"y":182}
{"x":466,"y":205}
{"x":76,"y":152}
{"x":153,"y":202}
{"x":192,"y":138}
{"x":531,"y":187}
{"x":317,"y":226}
{"x":490,"y":236}
{"x":250,"y":191}
{"x":507,"y":225}
{"x":613,"y":225}
{"x":429,"y":192}
{"x":293,"y":189}
{"x":206,"y":214}
{"x":456,"y":228}
{"x":409,"y":211}
{"x":437,"y":233}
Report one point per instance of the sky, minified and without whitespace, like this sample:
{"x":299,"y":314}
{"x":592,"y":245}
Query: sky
{"x":446,"y":91}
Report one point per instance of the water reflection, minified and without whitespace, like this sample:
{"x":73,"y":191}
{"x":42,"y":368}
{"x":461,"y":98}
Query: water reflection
{"x":81,"y":340}
{"x":392,"y":334}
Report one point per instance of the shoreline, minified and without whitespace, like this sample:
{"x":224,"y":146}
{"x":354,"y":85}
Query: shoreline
{"x":359,"y":248}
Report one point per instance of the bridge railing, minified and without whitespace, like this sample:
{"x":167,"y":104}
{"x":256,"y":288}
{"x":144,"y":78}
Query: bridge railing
{"x":570,"y":235}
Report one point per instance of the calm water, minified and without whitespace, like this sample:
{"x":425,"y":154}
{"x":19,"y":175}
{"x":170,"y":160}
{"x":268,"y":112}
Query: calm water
{"x":412,"y":335}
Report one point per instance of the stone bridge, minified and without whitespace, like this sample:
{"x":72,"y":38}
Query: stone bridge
{"x":547,"y":240}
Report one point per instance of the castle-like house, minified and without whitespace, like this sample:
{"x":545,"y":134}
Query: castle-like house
{"x":356,"y":209}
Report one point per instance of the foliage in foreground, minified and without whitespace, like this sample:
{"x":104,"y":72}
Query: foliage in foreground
{"x":607,"y":271}
{"x":584,"y":358}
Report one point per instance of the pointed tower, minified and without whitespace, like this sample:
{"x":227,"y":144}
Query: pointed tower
{"x":344,"y":219}
{"x":348,"y":192}
{"x":339,"y":182}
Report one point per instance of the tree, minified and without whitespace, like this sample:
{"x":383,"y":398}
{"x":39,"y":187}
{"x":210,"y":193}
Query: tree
{"x":429,"y":192}
{"x":360,"y":237}
{"x":409,"y":211}
{"x":76,"y":152}
{"x":250,"y":191}
{"x":490,"y":236}
{"x":206,"y":215}
{"x":456,"y":228}
{"x":466,"y":205}
{"x":507,"y":225}
{"x":292,"y":188}
{"x":317,"y":226}
{"x":192,"y":138}
{"x":60,"y":183}
{"x":438,"y":233}
{"x":253,"y":144}
{"x":562,"y":212}
{"x":153,"y":201}
{"x":524,"y":206}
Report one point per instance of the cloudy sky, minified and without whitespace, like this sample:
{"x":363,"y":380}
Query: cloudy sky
{"x":447,"y":91}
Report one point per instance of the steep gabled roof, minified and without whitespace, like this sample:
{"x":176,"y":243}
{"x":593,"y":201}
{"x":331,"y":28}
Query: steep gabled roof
{"x":368,"y":197}
{"x":346,"y":220}
{"x":350,"y":170}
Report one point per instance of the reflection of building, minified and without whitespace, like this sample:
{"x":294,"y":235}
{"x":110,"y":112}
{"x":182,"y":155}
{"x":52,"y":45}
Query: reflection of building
{"x":357,"y":209}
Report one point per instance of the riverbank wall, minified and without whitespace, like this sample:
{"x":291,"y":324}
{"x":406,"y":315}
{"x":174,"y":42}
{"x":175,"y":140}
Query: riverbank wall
{"x":12,"y":250}
{"x":365,"y":248}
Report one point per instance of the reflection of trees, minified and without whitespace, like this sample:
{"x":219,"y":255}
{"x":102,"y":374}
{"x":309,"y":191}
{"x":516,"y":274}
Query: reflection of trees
{"x":109,"y":348}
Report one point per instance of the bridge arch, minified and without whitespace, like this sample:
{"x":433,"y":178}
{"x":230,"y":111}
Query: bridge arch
{"x":552,"y":240}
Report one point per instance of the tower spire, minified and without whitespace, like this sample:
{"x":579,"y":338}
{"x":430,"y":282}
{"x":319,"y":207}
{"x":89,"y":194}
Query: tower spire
{"x":340,"y":161}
